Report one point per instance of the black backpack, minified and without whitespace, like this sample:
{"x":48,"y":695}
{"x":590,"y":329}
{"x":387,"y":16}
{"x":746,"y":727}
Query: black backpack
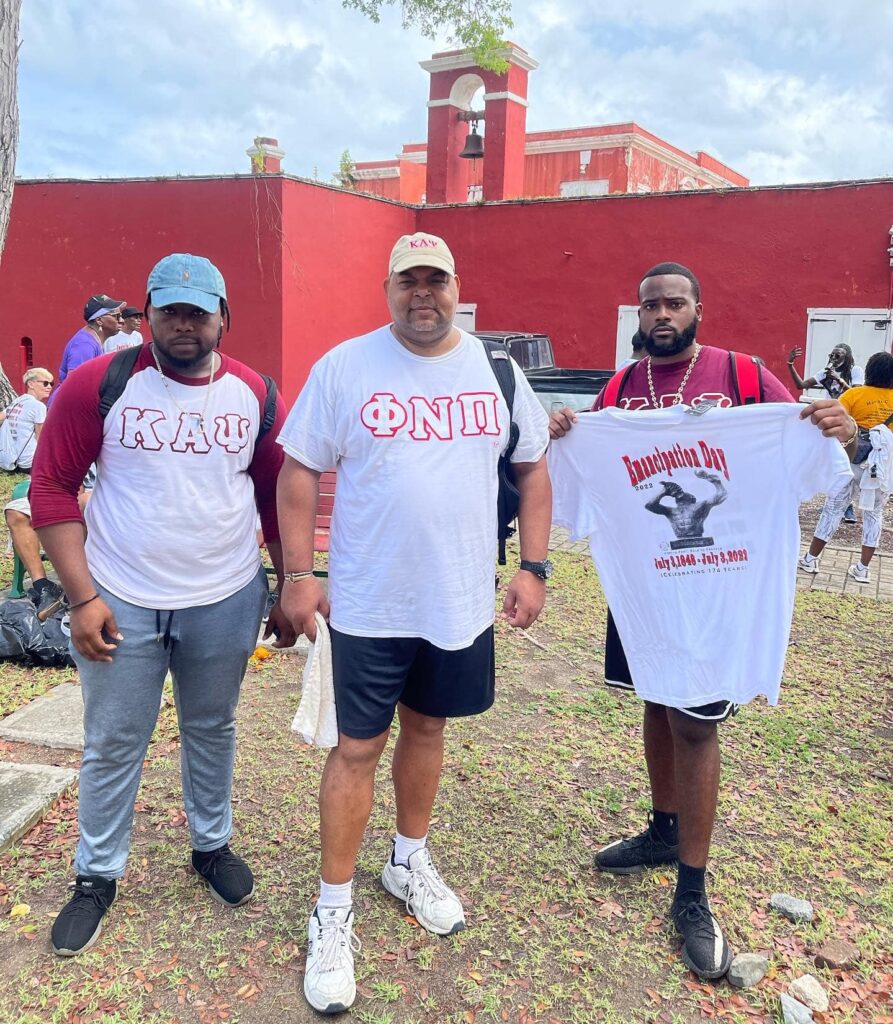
{"x":509,"y":497}
{"x":121,"y":367}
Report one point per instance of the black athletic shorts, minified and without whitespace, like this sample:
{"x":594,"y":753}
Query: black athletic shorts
{"x":373,"y":674}
{"x":617,"y":674}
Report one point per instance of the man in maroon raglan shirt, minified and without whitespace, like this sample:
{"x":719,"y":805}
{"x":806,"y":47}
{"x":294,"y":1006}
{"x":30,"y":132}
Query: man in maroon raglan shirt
{"x":168,"y":577}
{"x":682,"y":745}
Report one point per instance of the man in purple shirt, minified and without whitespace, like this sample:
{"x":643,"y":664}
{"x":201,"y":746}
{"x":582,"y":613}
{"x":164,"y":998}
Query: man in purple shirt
{"x":103,"y":316}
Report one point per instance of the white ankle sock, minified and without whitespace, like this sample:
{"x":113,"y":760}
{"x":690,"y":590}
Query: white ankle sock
{"x":809,"y":557}
{"x":404,"y":848}
{"x":861,"y":567}
{"x":335,"y":895}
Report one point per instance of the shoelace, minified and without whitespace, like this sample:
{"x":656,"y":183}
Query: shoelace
{"x":699,"y":914}
{"x":426,"y":877}
{"x":334,"y":935}
{"x":86,"y":898}
{"x":221,"y":859}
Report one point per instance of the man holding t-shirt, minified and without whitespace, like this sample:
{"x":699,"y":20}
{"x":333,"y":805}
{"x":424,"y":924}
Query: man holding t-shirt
{"x":413,"y":419}
{"x":681,"y":742}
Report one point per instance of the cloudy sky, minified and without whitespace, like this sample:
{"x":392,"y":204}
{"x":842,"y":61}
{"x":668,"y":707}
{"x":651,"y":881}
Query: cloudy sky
{"x":781,"y":90}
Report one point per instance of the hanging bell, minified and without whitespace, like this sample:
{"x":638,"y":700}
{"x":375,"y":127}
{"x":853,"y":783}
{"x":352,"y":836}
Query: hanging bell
{"x":474,"y":145}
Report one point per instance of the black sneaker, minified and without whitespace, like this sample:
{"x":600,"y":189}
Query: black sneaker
{"x":229,"y":878}
{"x":704,"y":947}
{"x":629,"y":856}
{"x":79,"y":922}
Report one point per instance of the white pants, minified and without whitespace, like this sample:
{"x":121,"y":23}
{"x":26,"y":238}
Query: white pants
{"x":835,"y":506}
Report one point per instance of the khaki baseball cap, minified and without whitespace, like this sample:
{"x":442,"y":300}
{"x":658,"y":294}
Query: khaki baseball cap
{"x":421,"y":250}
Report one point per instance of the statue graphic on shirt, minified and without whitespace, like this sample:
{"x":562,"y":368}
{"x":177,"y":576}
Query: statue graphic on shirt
{"x":688,"y":515}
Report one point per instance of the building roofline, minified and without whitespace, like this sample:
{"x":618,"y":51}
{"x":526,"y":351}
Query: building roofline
{"x":731,"y":190}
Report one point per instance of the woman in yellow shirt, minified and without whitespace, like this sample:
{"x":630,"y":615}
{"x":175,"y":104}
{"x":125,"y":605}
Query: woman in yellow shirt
{"x":869,"y":405}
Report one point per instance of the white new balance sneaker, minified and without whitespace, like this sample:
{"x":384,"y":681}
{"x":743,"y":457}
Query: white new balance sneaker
{"x":859,"y":573}
{"x":806,"y":563}
{"x":329,"y":984}
{"x":427,"y":897}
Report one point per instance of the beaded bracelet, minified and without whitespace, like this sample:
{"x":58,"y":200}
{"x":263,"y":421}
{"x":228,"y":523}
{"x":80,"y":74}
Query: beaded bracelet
{"x":81,"y":604}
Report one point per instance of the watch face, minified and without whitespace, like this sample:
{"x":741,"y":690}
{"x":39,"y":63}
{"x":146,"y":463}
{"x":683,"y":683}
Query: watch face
{"x":548,"y":568}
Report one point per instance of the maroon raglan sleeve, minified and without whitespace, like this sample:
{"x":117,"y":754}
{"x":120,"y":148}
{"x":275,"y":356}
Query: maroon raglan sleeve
{"x":70,"y":441}
{"x":268,"y":456}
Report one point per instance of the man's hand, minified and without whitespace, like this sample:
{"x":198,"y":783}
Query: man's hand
{"x":278,"y":623}
{"x":300,"y":602}
{"x":795,"y":353}
{"x":524,"y":599}
{"x":91,"y":626}
{"x":831,"y":418}
{"x":561,"y":421}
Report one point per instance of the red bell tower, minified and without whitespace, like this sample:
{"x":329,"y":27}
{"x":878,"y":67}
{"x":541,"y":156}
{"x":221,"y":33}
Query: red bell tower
{"x":455,"y":78}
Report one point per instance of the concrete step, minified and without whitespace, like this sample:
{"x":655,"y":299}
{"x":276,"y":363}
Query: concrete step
{"x":55,"y":719}
{"x":26,"y":791}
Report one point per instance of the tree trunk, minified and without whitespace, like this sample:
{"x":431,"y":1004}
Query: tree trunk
{"x":9,"y":107}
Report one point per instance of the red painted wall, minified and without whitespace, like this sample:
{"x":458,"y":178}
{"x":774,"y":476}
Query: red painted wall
{"x":763,"y":256}
{"x":335,"y":248}
{"x":70,"y":240}
{"x":302,"y":262}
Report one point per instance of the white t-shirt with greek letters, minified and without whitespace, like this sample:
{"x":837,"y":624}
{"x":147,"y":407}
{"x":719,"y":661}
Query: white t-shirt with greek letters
{"x":416,"y":442}
{"x":694,"y":528}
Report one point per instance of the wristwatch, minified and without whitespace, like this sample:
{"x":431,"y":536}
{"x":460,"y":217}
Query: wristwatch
{"x":542,"y":569}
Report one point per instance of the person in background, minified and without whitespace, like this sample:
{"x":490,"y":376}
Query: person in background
{"x":840,"y":374}
{"x":103,"y":317}
{"x":639,"y":351}
{"x":129,"y":334}
{"x":24,"y":418}
{"x":870,"y":406}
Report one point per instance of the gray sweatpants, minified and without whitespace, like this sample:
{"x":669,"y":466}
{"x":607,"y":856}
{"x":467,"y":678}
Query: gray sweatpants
{"x":206,"y":650}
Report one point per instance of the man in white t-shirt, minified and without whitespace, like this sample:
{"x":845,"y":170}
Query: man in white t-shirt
{"x":128,"y":333}
{"x":680,"y":727}
{"x":414,"y":421}
{"x":166,"y":577}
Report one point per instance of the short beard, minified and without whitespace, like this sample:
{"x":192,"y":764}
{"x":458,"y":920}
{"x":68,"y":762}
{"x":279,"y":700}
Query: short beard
{"x":680,"y":342}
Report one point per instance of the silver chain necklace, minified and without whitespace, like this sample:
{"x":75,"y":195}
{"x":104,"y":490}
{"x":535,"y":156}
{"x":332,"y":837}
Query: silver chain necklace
{"x":677,"y":398}
{"x":197,"y":418}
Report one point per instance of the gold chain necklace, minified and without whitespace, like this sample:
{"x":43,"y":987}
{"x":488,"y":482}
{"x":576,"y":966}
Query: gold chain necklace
{"x":677,"y":398}
{"x":197,"y":418}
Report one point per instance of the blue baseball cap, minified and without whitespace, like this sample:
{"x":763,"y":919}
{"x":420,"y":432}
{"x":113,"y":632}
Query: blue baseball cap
{"x":182,"y":277}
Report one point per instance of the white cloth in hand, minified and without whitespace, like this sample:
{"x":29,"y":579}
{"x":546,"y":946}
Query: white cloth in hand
{"x":315,"y":718}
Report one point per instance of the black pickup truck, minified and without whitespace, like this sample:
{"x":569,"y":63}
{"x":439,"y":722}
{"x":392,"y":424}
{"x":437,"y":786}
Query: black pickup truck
{"x":551,"y":384}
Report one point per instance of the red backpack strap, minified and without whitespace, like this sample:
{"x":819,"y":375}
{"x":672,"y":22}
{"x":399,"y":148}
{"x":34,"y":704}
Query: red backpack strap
{"x":747,"y":379}
{"x":612,"y":391}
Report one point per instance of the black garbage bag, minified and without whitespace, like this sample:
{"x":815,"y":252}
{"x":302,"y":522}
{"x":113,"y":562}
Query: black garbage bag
{"x":23,"y":637}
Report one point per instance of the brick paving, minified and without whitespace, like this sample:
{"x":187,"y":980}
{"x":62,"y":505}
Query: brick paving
{"x":832,"y":576}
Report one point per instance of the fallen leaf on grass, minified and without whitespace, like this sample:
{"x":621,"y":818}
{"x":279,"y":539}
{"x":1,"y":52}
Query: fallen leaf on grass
{"x":20,"y":910}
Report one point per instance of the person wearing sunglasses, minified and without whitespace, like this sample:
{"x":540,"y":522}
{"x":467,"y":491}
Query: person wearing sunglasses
{"x":22,"y":420}
{"x":103,"y":320}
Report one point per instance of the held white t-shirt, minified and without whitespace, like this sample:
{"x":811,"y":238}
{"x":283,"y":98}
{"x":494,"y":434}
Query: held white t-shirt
{"x":694,"y":528}
{"x":415,"y":441}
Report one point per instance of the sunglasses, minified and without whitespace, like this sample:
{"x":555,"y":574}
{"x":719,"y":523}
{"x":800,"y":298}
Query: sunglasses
{"x":46,"y":383}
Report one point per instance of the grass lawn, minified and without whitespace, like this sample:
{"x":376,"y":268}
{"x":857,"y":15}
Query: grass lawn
{"x":529,"y":791}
